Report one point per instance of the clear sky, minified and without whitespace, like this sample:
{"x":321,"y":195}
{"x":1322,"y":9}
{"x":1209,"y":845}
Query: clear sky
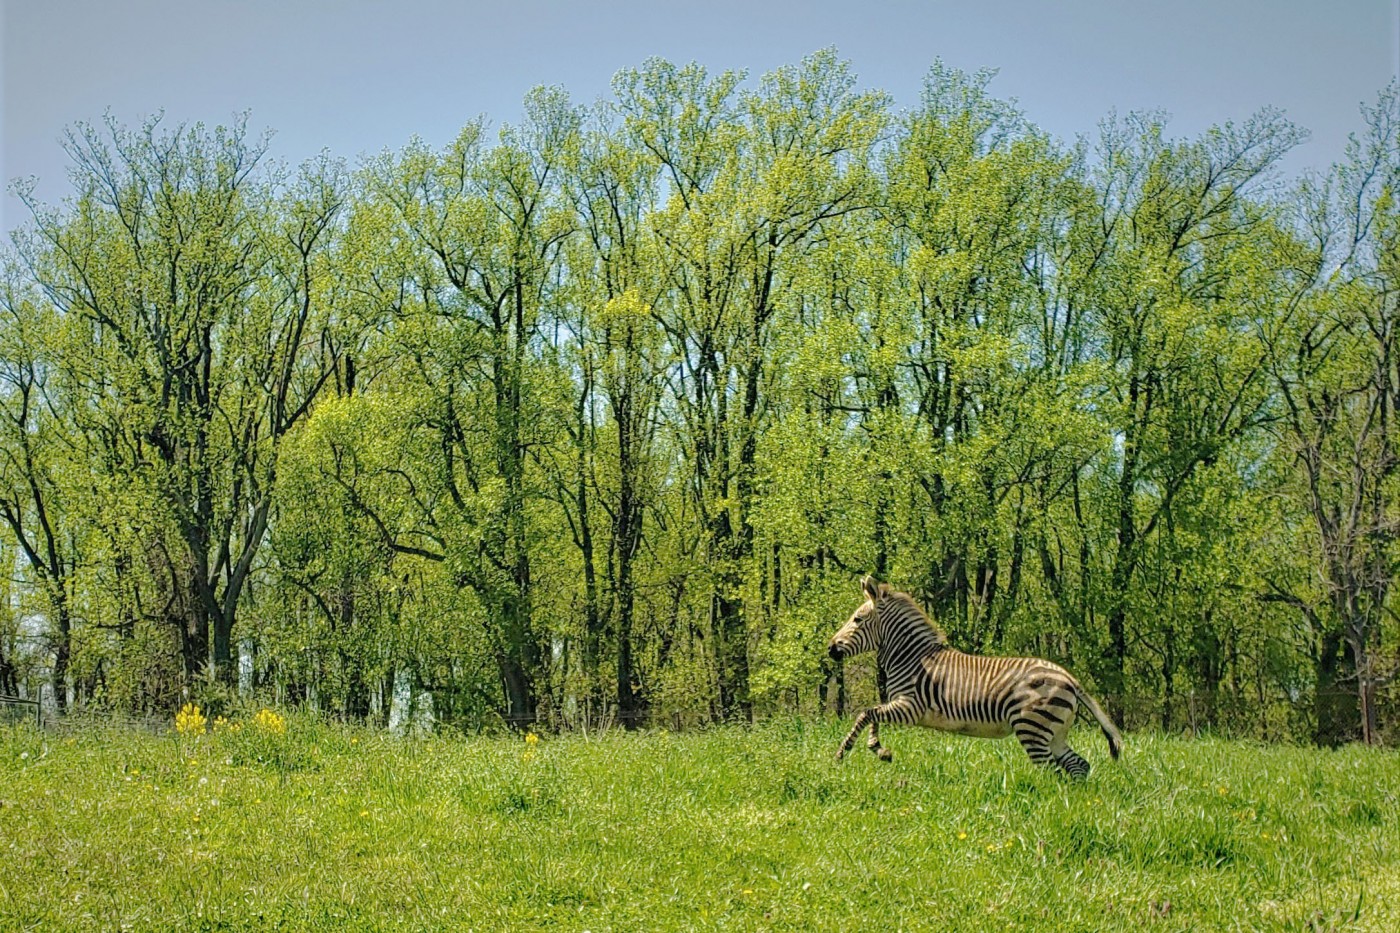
{"x":359,"y":76}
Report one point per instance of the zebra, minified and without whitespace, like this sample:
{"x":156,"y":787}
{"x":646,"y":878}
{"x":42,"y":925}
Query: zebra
{"x":930,"y":683}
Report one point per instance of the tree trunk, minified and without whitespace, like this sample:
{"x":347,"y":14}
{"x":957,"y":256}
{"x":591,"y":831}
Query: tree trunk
{"x":1335,"y":705}
{"x":1168,"y":678}
{"x":1360,"y":658}
{"x":519,"y":691}
{"x":628,"y":699}
{"x":627,"y":539}
{"x":1114,"y":678}
{"x":9,"y":682}
{"x":224,"y":671}
{"x":190,"y":614}
{"x":592,"y":616}
{"x":1210,"y":658}
{"x":732,"y":656}
{"x":62,"y":655}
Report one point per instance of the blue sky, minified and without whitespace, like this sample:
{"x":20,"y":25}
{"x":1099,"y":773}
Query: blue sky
{"x":359,"y":76}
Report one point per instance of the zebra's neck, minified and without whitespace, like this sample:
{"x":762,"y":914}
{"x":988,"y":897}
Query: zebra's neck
{"x":906,"y":626}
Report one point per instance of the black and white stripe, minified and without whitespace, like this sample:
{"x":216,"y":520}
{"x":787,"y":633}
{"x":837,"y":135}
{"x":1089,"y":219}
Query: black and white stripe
{"x":930,"y":683}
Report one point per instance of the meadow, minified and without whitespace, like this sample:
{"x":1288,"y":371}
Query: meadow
{"x":302,"y":825}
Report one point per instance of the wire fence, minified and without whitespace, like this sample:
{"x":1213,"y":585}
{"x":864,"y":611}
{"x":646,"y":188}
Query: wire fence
{"x":89,"y":719}
{"x":15,"y":710}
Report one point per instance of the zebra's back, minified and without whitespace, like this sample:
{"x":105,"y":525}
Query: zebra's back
{"x":981,"y":695}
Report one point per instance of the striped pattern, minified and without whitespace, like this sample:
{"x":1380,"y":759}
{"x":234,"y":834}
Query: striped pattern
{"x":930,"y":683}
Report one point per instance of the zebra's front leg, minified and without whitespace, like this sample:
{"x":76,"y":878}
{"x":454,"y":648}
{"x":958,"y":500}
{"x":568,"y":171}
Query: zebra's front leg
{"x":899,"y":710}
{"x":873,"y":743}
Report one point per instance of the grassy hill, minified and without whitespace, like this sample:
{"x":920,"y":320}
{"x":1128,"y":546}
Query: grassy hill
{"x":327,"y":828}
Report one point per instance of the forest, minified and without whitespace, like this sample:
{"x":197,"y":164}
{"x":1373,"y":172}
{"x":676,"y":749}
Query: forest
{"x":599,"y":417}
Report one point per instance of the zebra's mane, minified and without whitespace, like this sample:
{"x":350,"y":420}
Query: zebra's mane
{"x":908,"y":601}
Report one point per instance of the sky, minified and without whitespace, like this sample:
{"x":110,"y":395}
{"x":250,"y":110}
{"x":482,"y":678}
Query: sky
{"x":356,"y":77}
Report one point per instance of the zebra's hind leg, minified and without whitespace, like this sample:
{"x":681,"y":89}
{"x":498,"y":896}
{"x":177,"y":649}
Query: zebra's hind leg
{"x":1042,"y":726}
{"x":873,"y":743}
{"x":1036,"y":744}
{"x":1051,"y":750}
{"x":1072,"y":764}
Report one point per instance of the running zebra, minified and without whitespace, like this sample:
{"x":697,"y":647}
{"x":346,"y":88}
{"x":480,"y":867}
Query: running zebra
{"x":930,"y":683}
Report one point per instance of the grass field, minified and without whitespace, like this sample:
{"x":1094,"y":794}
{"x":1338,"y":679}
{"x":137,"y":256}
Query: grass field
{"x":329,"y":828}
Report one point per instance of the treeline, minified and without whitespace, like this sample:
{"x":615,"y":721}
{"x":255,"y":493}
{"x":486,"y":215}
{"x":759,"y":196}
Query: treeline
{"x":601,"y":416}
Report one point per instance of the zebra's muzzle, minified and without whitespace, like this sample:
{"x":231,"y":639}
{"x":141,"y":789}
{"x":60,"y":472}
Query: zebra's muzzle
{"x":835,"y":652}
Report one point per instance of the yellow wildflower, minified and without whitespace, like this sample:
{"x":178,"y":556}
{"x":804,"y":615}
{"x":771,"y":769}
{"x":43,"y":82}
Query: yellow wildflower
{"x":962,"y":835}
{"x":268,"y":721}
{"x":190,"y":721}
{"x":531,"y":738}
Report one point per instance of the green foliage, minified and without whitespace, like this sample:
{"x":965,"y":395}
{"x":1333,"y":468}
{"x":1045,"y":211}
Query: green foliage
{"x":599,"y":416}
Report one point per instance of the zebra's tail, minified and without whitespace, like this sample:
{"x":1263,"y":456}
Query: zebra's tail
{"x":1110,"y":732}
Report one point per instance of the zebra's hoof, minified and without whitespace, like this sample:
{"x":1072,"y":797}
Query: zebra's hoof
{"x":884,"y":754}
{"x":840,"y":753}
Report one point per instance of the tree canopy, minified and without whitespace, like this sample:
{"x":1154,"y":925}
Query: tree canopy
{"x":601,"y":416}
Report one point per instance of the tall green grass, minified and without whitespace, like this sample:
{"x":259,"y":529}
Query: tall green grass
{"x":328,"y":828}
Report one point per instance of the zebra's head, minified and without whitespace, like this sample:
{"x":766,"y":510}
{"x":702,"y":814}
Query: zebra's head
{"x":861,"y":633}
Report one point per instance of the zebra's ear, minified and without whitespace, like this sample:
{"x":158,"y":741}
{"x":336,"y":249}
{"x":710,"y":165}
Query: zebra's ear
{"x":872,"y":589}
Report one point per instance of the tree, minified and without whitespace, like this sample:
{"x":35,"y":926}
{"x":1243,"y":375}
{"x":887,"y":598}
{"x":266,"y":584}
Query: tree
{"x":1187,"y":378}
{"x":622,"y":360}
{"x":1334,"y":354}
{"x":201,"y":309}
{"x":752,"y":177}
{"x":473,"y":244}
{"x":35,"y":444}
{"x":980,"y":337}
